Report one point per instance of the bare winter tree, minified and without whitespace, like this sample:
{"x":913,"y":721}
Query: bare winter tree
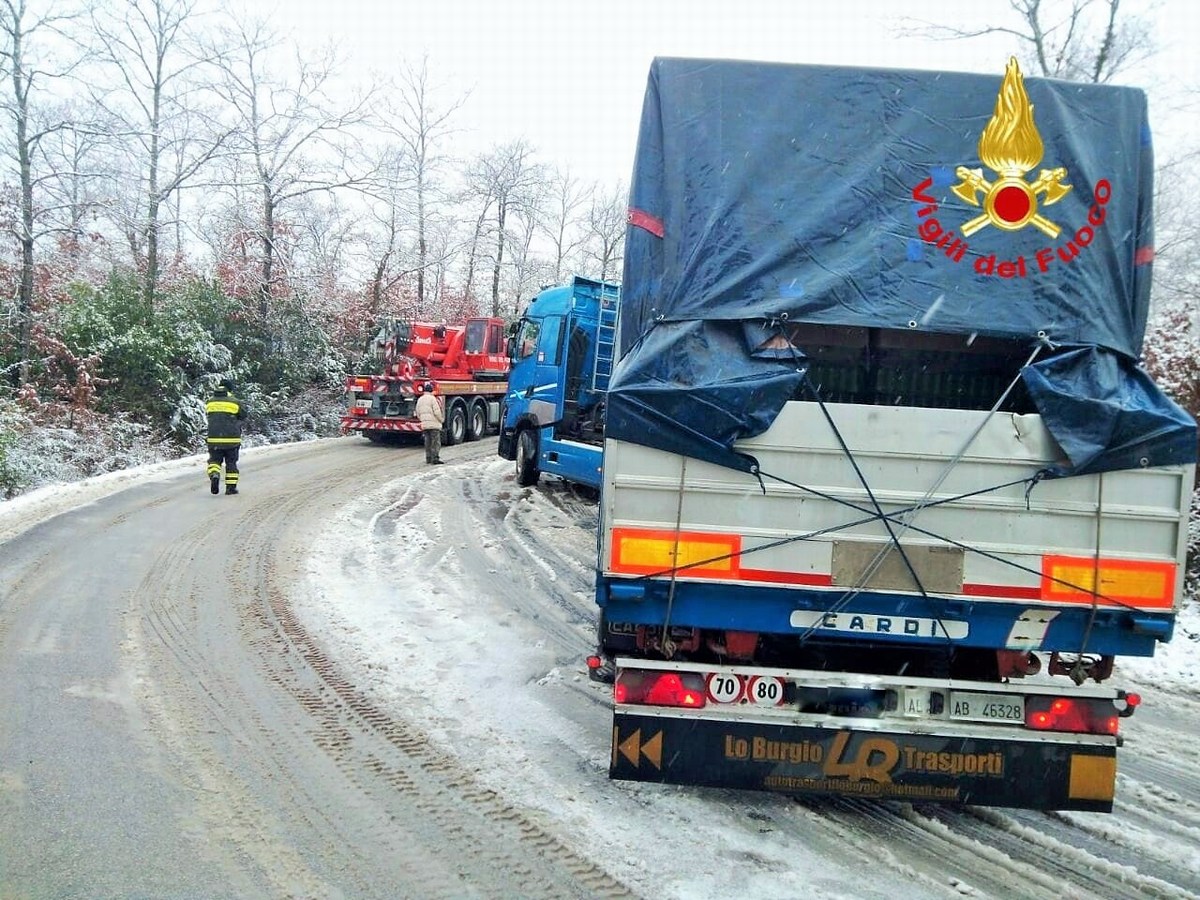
{"x":71,"y":162}
{"x":560,"y":220}
{"x":412,"y":117}
{"x":1077,"y":40}
{"x":226,"y":226}
{"x":160,"y":66}
{"x":296,"y":137}
{"x":444,"y":246}
{"x":29,"y":67}
{"x":1172,"y":348}
{"x":528,"y":271}
{"x":605,"y":242}
{"x":326,"y":231}
{"x":513,"y":182}
{"x":390,"y":215}
{"x":479,"y":194}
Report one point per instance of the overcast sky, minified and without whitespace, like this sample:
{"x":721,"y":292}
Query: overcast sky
{"x":569,"y":75}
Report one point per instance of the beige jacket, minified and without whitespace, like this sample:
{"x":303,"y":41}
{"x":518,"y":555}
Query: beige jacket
{"x":429,"y":411}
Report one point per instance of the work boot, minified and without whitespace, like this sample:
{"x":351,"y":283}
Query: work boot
{"x":232,"y":489}
{"x":435,"y":462}
{"x":214,"y":484}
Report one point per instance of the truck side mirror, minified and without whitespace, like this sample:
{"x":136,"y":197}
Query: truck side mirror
{"x":513,"y":348}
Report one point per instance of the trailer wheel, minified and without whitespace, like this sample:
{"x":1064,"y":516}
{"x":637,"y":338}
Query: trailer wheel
{"x":527,"y":457}
{"x":477,"y":421}
{"x":456,"y":425}
{"x":375,"y":437}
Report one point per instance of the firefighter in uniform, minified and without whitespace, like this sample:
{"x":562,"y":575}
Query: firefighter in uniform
{"x":225,"y":415}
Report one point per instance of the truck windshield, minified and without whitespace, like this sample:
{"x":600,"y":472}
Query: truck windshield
{"x":527,"y":339}
{"x":476,"y":335}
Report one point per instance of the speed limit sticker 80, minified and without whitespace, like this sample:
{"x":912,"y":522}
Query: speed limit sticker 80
{"x":765,"y":690}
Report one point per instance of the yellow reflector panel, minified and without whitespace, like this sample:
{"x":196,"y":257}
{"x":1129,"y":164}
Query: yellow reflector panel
{"x":1072,"y":579}
{"x":1092,"y":777}
{"x":646,"y":551}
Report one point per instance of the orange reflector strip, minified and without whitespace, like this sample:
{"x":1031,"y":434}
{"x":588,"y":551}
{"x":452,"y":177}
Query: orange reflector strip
{"x":648,"y":551}
{"x":1092,"y":777}
{"x":1136,"y":582}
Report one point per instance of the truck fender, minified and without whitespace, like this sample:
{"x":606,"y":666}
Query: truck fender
{"x":507,"y":448}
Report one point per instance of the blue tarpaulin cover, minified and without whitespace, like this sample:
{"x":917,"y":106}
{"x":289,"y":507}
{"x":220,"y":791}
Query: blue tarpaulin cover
{"x":767,"y":193}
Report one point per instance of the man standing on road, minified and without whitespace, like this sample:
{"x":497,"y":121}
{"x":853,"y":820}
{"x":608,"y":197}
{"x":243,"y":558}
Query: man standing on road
{"x":429,"y":410}
{"x":225,"y":415}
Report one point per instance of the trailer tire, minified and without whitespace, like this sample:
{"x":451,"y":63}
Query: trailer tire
{"x":375,"y":437}
{"x":477,"y":421}
{"x":527,"y":457}
{"x":455,"y":431}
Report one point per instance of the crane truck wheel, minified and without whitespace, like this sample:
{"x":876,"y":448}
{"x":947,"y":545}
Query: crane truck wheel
{"x":455,"y":430}
{"x":527,"y":457}
{"x":477,"y":421}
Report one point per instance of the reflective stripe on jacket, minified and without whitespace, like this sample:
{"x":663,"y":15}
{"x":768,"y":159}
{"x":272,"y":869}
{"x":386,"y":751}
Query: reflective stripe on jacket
{"x":225,"y":414}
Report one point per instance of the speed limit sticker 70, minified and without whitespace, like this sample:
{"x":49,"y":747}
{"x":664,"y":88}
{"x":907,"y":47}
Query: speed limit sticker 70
{"x":765,"y":690}
{"x":724,"y":688}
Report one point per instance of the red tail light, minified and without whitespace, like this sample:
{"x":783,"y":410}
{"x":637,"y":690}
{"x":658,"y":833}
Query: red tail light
{"x":660,"y":689}
{"x":1081,"y":716}
{"x":1042,"y":721}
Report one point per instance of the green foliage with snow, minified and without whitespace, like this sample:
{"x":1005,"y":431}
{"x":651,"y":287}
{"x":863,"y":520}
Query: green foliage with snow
{"x":159,"y":362}
{"x":13,"y":477}
{"x":150,"y":358}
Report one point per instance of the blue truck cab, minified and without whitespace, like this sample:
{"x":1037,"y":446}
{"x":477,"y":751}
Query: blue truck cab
{"x":561,"y":350}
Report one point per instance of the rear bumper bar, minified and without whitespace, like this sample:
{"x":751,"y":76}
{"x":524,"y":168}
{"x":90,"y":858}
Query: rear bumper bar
{"x":806,"y":760}
{"x":354,"y":423}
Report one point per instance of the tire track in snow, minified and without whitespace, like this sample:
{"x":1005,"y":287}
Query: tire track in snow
{"x":312,"y":762}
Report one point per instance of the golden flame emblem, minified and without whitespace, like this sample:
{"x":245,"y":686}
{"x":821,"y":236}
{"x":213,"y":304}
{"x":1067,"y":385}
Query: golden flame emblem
{"x":1011,"y":146}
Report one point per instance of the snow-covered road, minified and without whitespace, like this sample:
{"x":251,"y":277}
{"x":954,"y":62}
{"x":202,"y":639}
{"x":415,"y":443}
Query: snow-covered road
{"x":365,"y":680}
{"x":471,"y":601}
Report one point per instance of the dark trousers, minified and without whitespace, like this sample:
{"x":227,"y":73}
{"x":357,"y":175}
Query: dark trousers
{"x":433,"y":444}
{"x":227,"y":454}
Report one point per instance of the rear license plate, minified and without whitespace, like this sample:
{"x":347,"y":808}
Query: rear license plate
{"x":987,"y":707}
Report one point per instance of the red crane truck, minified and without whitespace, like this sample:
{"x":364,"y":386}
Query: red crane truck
{"x":466,"y":361}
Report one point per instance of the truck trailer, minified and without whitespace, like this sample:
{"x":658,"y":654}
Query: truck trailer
{"x":886,"y":492}
{"x":467,"y":362}
{"x":561,"y":360}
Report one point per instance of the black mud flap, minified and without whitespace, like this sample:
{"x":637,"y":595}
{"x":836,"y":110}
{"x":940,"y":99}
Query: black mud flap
{"x":794,"y":759}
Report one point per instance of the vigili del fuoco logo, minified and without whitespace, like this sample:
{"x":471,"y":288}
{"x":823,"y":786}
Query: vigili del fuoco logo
{"x":1011,"y":147}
